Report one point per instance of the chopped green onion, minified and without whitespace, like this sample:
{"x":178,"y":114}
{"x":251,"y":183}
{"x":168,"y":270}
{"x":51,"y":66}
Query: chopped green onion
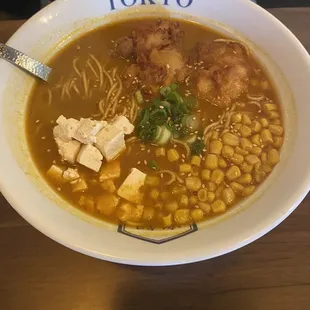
{"x":165,"y":91}
{"x":158,"y":117}
{"x":191,"y":122}
{"x":174,"y":86}
{"x":153,"y":165}
{"x":190,"y":139}
{"x":163,"y":135}
{"x":197,"y":147}
{"x":143,"y":117}
{"x":146,"y":133}
{"x":139,"y":97}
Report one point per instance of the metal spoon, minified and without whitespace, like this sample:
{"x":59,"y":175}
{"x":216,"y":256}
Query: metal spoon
{"x":25,"y":62}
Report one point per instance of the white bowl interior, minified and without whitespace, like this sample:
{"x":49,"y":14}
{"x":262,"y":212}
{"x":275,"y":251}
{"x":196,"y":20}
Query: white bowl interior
{"x":282,"y":55}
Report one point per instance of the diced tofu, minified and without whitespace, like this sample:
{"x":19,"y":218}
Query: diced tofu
{"x":87,"y":130}
{"x":111,"y":170}
{"x":70,"y":174}
{"x":131,"y":188}
{"x":56,"y":172}
{"x":65,"y":129}
{"x":122,"y":123}
{"x":107,"y":203}
{"x":79,"y":186}
{"x":68,"y":150}
{"x":90,"y":157}
{"x":110,"y":142}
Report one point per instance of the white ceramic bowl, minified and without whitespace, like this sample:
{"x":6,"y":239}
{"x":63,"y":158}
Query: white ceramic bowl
{"x":275,"y":46}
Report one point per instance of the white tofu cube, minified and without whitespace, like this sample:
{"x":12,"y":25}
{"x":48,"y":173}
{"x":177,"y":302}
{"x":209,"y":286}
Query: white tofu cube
{"x":56,"y":173}
{"x":131,"y":188}
{"x":122,"y":123}
{"x":79,"y":186}
{"x":65,"y":129}
{"x":90,"y":157}
{"x":87,"y":130}
{"x":70,"y":174}
{"x":110,"y":142}
{"x":68,"y":150}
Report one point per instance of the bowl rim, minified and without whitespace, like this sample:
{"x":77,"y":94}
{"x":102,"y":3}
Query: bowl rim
{"x":303,"y":190}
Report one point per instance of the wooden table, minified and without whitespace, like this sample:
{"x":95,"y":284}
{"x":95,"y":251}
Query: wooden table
{"x":272,"y":273}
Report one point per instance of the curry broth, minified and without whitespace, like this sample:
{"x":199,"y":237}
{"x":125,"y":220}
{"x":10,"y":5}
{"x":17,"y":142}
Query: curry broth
{"x":41,"y":116}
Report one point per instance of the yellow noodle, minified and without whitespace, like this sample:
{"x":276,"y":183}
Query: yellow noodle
{"x":78,"y":72}
{"x":101,"y":70}
{"x":185,"y":145}
{"x":49,"y":93}
{"x":92,"y":68}
{"x":85,"y":84}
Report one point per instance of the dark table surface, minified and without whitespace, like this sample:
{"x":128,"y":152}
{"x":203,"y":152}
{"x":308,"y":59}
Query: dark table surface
{"x":272,"y":273}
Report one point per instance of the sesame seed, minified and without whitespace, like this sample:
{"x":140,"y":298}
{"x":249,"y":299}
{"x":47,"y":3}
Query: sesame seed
{"x":145,"y":162}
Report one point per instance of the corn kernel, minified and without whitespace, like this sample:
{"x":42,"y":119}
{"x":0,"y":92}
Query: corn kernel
{"x":197,"y":215}
{"x":215,"y":135}
{"x":167,"y":220}
{"x":245,"y":131}
{"x":193,"y":200}
{"x":240,"y":151}
{"x":222,"y":163}
{"x":266,"y":137}
{"x":278,"y":141}
{"x":206,"y":174}
{"x":202,"y":195}
{"x":182,"y":216}
{"x":236,"y":118}
{"x":196,"y":161}
{"x":256,"y":139}
{"x":228,"y":151}
{"x":216,"y":147}
{"x":154,"y":193}
{"x":108,"y":185}
{"x":211,"y":161}
{"x":273,"y":157}
{"x":245,"y":179}
{"x":273,"y":115}
{"x":178,"y":190}
{"x":211,"y":186}
{"x":228,"y":196}
{"x":173,"y":155}
{"x":205,"y":207}
{"x":236,"y":187}
{"x":193,"y":183}
{"x":276,"y":130}
{"x":217,"y":176}
{"x":252,"y":159}
{"x":183,"y":201}
{"x":246,"y":144}
{"x":248,"y":190}
{"x":218,"y":192}
{"x":256,"y":151}
{"x":237,"y":159}
{"x":276,"y":122}
{"x":165,"y":195}
{"x":246,"y":120}
{"x":233,"y":173}
{"x":171,"y":206}
{"x":264,"y":157}
{"x":230,"y":139}
{"x":218,"y":206}
{"x":160,"y":152}
{"x":245,"y":167}
{"x":237,"y":126}
{"x":267,"y":107}
{"x":266,"y":168}
{"x":256,"y":126}
{"x":264,"y":122}
{"x":185,"y":168}
{"x":210,"y":197}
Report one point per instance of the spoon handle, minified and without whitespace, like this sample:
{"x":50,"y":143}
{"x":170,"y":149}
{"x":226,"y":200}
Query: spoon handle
{"x":24,"y":62}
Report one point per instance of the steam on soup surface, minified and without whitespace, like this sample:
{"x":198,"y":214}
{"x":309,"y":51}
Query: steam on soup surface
{"x":155,"y":123}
